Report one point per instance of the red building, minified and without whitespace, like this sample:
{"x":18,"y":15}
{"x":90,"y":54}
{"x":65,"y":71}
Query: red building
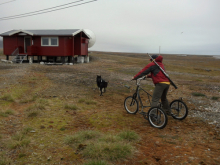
{"x":55,"y":45}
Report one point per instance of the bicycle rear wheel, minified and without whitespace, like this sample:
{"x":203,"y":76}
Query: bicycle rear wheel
{"x":179,"y":110}
{"x":157,"y":117}
{"x":131,"y":105}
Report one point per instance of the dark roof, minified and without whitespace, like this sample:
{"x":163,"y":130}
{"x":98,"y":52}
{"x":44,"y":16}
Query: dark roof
{"x":51,"y":32}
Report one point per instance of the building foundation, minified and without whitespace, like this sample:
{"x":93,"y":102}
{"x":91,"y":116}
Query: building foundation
{"x":86,"y":59}
{"x":80,"y":59}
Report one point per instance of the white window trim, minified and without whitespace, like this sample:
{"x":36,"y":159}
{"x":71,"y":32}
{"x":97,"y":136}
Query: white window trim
{"x":50,"y":41}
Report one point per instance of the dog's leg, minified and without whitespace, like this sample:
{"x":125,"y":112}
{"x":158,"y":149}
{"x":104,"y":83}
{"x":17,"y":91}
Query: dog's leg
{"x":101,"y":92}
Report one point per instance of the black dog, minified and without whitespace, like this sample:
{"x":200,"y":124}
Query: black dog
{"x":102,"y":84}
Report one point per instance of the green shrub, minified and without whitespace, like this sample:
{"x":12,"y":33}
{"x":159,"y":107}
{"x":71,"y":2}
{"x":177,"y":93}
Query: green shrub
{"x":81,"y":100}
{"x":27,"y":99}
{"x":21,"y":155}
{"x":89,"y":134}
{"x":74,"y":139}
{"x":35,"y":110}
{"x":81,"y":136}
{"x":43,"y":102}
{"x":110,"y":139}
{"x":62,"y":129}
{"x":198,"y":94}
{"x":3,"y":114}
{"x":97,"y":146}
{"x":9,"y":112}
{"x":96,"y":162}
{"x":70,"y":107}
{"x":107,"y":151}
{"x":129,"y":136}
{"x":4,"y":160}
{"x":19,"y":139}
{"x":13,"y":144}
{"x":26,"y":130}
{"x":90,"y":102}
{"x":215,"y":98}
{"x":7,"y":97}
{"x":36,"y":107}
{"x":6,"y":113}
{"x":19,"y":136}
{"x":32,"y":114}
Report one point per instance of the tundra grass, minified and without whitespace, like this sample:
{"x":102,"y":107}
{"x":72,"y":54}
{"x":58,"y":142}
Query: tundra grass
{"x":4,"y":160}
{"x":70,"y":107}
{"x":198,"y":94}
{"x":96,"y":162}
{"x":215,"y":98}
{"x":19,"y":139}
{"x":95,"y":145}
{"x":6,"y":113}
{"x":43,"y":117}
{"x":55,"y":131}
{"x":49,"y":129}
{"x":7,"y":97}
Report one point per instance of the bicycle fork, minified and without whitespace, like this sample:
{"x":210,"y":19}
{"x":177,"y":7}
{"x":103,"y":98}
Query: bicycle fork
{"x":133,"y":97}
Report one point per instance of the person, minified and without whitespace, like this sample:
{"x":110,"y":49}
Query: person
{"x":161,"y":82}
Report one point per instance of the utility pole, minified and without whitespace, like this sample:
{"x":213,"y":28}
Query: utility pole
{"x":159,"y":50}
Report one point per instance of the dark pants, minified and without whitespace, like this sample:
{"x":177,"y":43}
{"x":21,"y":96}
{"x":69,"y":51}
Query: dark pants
{"x":160,"y":92}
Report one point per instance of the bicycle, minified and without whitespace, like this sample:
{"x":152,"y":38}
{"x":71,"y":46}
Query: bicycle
{"x":155,"y":115}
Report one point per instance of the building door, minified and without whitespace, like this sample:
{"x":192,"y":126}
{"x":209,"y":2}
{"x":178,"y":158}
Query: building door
{"x":27,"y":42}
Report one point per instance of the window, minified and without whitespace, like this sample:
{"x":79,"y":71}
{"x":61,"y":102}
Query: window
{"x":45,"y":41}
{"x":54,"y":41}
{"x":49,"y":41}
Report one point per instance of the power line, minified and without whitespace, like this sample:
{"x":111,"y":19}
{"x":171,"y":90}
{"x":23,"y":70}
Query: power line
{"x":29,"y":14}
{"x":38,"y":10}
{"x":6,"y":2}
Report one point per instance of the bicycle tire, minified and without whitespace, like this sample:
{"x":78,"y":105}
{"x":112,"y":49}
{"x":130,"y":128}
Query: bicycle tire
{"x":157,"y":117}
{"x":131,"y":105}
{"x":179,"y":109}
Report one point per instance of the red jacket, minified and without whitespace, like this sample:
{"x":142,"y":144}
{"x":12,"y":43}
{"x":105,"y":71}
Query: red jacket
{"x":156,"y":74}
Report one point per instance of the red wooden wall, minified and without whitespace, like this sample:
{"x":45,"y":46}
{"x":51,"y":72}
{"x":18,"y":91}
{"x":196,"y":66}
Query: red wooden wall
{"x":11,"y":43}
{"x":68,"y":46}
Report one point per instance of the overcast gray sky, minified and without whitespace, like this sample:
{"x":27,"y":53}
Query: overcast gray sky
{"x":141,"y":26}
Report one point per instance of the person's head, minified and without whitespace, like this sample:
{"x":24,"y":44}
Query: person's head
{"x":154,"y":57}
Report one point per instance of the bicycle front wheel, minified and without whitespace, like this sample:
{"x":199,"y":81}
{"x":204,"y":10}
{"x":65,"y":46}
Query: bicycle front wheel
{"x":157,"y":117}
{"x":131,"y":105}
{"x":179,"y":110}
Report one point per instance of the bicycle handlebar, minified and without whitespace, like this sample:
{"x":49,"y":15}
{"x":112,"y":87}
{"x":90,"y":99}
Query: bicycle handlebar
{"x":139,"y":80}
{"x":142,"y":78}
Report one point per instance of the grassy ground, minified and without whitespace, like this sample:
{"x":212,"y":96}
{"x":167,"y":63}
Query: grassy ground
{"x":54,"y":114}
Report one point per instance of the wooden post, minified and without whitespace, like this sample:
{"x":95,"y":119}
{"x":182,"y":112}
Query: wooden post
{"x":71,"y":59}
{"x":62,"y":59}
{"x":38,"y":59}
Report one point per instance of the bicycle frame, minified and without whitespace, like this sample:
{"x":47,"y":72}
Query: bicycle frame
{"x":137,"y":96}
{"x":155,"y":115}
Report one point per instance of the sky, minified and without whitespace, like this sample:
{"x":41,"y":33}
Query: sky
{"x":137,"y":26}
